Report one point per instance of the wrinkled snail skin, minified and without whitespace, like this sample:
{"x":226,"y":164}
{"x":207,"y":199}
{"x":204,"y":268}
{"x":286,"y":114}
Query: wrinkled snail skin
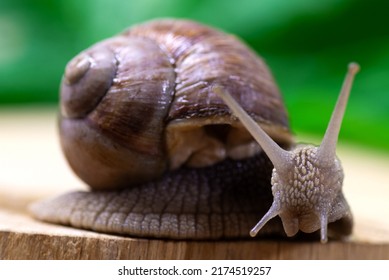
{"x":143,"y":124}
{"x":222,"y":201}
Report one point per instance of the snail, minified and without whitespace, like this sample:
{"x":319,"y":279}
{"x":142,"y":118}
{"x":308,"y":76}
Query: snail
{"x":162,"y":122}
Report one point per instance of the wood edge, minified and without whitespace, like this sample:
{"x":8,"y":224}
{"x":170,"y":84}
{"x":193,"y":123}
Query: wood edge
{"x":40,"y":246}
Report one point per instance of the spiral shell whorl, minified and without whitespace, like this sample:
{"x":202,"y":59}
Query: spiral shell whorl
{"x":122,"y":97}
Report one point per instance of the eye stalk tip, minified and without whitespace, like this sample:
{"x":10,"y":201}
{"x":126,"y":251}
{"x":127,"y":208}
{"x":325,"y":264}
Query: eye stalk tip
{"x":353,"y":68}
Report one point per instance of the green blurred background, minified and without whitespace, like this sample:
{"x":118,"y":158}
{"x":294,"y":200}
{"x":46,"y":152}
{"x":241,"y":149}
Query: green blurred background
{"x":307,"y":44}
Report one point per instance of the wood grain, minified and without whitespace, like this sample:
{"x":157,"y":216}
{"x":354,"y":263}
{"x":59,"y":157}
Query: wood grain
{"x":29,"y":239}
{"x":32,"y":167}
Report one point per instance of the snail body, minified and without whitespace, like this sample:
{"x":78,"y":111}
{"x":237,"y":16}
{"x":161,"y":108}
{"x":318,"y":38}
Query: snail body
{"x":145,"y":123}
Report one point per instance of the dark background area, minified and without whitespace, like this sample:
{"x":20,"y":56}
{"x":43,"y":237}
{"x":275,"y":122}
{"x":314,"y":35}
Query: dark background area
{"x":306,"y":43}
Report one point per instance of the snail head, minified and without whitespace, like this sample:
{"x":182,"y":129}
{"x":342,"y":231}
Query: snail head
{"x":307,"y":180}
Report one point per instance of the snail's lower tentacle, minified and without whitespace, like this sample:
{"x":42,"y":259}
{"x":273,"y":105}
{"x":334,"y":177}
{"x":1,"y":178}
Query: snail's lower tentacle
{"x":221,"y":201}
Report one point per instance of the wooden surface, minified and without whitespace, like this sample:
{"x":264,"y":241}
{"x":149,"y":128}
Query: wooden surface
{"x":32,"y":167}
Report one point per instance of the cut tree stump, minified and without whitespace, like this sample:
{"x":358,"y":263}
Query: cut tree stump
{"x":32,"y":167}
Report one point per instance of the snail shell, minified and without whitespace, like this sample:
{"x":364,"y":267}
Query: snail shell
{"x":162,"y":153}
